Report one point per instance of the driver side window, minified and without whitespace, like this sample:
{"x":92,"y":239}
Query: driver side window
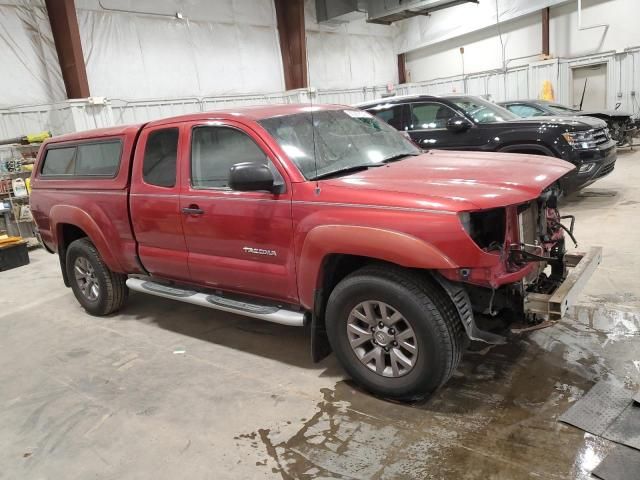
{"x":214,"y":150}
{"x":430,"y":116}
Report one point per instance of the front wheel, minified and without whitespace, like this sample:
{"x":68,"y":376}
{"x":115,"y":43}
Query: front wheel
{"x":99,"y":290}
{"x":395,"y":332}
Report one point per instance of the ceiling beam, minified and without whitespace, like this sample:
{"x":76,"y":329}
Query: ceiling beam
{"x":66,"y":35}
{"x":293,"y":42}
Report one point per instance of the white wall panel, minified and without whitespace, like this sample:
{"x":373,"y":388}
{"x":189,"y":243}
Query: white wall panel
{"x":620,"y":16}
{"x":442,"y":25}
{"x":349,"y":55}
{"x":483,"y":51}
{"x":29,"y":67}
{"x":132,"y":55}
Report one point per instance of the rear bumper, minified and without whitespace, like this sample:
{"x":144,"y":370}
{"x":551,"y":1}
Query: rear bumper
{"x":554,"y":306}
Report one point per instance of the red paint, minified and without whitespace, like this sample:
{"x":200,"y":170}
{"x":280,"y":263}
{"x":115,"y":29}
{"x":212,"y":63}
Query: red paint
{"x":405,"y":213}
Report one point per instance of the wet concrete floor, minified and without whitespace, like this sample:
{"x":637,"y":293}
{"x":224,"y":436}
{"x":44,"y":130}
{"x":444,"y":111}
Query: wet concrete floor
{"x":167,"y":390}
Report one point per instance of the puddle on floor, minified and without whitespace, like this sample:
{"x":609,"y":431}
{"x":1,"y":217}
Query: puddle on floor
{"x":496,"y":418}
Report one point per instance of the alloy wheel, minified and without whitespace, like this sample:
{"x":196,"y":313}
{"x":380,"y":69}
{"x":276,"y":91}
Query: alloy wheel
{"x":382,"y":338}
{"x":86,"y":279}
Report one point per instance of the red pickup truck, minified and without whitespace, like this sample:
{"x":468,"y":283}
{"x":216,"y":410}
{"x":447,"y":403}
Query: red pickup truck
{"x":314,"y":215}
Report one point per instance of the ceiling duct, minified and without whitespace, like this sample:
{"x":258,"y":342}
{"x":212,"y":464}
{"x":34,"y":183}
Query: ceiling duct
{"x":388,"y":11}
{"x":339,"y":11}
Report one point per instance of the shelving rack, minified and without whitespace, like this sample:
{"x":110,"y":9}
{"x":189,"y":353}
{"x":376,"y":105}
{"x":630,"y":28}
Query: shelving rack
{"x":11,"y":222}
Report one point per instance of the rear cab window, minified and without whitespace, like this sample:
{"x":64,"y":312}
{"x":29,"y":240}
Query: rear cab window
{"x":99,"y":158}
{"x":160,"y":158}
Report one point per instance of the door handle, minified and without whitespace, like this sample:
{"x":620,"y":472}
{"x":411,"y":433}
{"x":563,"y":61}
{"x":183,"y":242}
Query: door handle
{"x":192,"y":210}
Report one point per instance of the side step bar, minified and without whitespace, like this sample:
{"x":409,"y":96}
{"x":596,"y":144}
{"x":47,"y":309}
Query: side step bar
{"x":270,"y":313}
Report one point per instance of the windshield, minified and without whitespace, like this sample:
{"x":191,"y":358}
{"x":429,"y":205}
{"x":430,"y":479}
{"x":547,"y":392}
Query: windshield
{"x":483,"y":111}
{"x":344,"y":140}
{"x":561,"y":109}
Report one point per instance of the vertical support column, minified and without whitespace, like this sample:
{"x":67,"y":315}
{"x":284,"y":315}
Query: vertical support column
{"x":66,"y":35}
{"x":402,"y":68}
{"x":545,"y":31}
{"x":293,"y":42}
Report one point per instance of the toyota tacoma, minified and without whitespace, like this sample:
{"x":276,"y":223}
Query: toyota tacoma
{"x":318,"y":216}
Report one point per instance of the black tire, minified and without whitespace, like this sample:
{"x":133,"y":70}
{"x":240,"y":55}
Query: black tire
{"x":426,"y":307}
{"x":112,"y":290}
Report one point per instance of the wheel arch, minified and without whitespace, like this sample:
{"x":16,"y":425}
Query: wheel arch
{"x":331,"y":252}
{"x":71,"y":223}
{"x":528,"y":148}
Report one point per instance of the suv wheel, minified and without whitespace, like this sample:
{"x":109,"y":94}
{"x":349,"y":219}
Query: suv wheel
{"x":99,"y":290}
{"x":395,"y":332}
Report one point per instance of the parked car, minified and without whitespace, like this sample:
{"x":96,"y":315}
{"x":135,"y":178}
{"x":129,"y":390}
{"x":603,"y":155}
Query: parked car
{"x":471,"y":123}
{"x":621,"y":124}
{"x":322,"y":216}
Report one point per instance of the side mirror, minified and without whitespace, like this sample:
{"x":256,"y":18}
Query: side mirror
{"x":252,"y":177}
{"x":458,"y":124}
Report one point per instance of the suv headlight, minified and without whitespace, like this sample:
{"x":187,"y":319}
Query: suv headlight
{"x":580,"y":140}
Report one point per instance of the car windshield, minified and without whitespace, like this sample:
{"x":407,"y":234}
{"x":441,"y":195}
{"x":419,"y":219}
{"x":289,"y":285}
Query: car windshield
{"x":482,"y":111}
{"x":344,"y":140}
{"x":561,"y":109}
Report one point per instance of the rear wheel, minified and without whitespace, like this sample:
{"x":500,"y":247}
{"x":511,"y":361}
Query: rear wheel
{"x":99,"y":290}
{"x":395,"y":332}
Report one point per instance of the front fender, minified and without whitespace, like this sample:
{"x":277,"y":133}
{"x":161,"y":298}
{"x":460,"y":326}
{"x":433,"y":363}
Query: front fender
{"x":68,"y":214}
{"x":387,"y":245}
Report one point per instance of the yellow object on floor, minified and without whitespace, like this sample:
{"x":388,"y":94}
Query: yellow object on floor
{"x":5,"y":240}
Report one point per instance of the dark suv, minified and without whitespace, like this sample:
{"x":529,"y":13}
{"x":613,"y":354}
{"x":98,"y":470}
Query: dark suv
{"x":471,"y":123}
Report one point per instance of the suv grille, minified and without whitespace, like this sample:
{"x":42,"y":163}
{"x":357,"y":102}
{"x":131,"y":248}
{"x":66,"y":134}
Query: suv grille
{"x":601,"y":135}
{"x":606,"y":170}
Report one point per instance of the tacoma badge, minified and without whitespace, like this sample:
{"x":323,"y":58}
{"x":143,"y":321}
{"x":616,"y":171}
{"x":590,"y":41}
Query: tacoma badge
{"x":260,"y":251}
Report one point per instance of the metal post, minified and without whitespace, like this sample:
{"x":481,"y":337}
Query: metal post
{"x":545,"y":31}
{"x":66,"y":35}
{"x":293,"y":42}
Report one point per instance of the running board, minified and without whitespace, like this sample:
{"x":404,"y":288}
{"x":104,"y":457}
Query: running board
{"x":270,"y":313}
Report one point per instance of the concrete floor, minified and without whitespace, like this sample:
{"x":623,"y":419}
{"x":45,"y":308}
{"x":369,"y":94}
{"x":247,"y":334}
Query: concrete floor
{"x":170,"y":391}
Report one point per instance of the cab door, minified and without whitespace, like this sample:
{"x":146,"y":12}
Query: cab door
{"x":237,"y":241}
{"x":155,"y":203}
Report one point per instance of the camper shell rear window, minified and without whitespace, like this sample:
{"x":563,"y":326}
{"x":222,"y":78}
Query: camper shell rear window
{"x":87,"y":159}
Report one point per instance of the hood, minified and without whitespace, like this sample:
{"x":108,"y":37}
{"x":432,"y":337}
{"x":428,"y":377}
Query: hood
{"x":574,"y":122}
{"x":452,"y":180}
{"x":606,"y":113}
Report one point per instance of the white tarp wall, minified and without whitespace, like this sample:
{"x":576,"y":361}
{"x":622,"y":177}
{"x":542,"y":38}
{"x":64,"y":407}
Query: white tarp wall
{"x":218,"y":47}
{"x":30,"y":73}
{"x":349,"y":55}
{"x":423,"y":31}
{"x":433,"y":53}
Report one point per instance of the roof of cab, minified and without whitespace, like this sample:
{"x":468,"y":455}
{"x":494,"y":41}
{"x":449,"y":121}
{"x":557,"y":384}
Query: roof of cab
{"x":254,"y":113}
{"x":98,"y":133}
{"x":258,"y":112}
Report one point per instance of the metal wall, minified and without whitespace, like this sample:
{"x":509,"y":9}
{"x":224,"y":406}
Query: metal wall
{"x":522,"y":82}
{"x":623,"y":87}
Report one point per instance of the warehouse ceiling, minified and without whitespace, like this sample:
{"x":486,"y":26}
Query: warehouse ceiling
{"x":380,"y":11}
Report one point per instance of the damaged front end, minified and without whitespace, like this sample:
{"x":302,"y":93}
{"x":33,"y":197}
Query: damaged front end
{"x":549,"y":290}
{"x":534,"y":281}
